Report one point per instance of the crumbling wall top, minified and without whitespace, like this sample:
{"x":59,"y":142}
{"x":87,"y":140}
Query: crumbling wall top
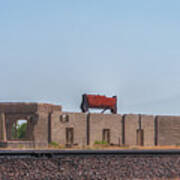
{"x":21,"y":107}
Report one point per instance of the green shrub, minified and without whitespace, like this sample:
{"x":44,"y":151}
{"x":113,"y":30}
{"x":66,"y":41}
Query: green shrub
{"x":19,"y":131}
{"x":101,"y":142}
{"x":20,"y":146}
{"x":54,"y":144}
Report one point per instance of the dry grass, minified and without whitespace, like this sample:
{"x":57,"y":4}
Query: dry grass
{"x":97,"y":147}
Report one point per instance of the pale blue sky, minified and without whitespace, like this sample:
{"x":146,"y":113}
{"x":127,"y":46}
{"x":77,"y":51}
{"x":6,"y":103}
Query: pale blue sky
{"x":54,"y":51}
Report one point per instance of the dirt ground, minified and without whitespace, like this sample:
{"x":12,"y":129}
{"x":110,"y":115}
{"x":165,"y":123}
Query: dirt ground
{"x":98,"y":147}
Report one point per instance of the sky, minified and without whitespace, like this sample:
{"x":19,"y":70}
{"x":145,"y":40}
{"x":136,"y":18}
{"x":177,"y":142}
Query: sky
{"x":55,"y":51}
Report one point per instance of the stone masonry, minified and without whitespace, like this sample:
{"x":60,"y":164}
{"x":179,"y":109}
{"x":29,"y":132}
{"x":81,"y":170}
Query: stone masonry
{"x":60,"y":123}
{"x":37,"y":117}
{"x":100,"y":122}
{"x":47,"y":123}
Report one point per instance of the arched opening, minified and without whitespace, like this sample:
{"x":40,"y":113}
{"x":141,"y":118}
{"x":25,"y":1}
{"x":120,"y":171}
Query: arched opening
{"x":19,"y":129}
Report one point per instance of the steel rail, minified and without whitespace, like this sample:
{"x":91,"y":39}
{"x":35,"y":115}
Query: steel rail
{"x":53,"y":153}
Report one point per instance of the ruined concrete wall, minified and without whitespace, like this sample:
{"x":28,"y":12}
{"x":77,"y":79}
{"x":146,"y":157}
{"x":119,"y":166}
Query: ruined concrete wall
{"x":11,"y":118}
{"x":37,"y":116}
{"x":3,"y":136}
{"x":77,"y":121}
{"x":98,"y":122}
{"x":45,"y":125}
{"x":147,"y":124}
{"x":48,"y":107}
{"x":40,"y":132}
{"x":131,"y":124}
{"x":18,"y":107}
{"x":168,"y":130}
{"x":28,"y":107}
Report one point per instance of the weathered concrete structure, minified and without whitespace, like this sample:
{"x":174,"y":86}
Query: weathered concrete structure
{"x":37,"y":117}
{"x":168,"y":130}
{"x":131,"y":125}
{"x":69,"y":128}
{"x":105,"y":127}
{"x":46,"y":123}
{"x":148,"y":127}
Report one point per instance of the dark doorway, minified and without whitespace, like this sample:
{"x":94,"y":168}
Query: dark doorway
{"x":106,"y":135}
{"x":69,"y":136}
{"x":140,"y":137}
{"x":49,"y":128}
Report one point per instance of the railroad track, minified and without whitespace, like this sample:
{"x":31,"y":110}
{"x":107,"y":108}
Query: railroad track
{"x":53,"y":153}
{"x":89,"y":164}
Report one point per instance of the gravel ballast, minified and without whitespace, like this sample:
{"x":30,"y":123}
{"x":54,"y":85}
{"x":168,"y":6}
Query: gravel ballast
{"x":85,"y":167}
